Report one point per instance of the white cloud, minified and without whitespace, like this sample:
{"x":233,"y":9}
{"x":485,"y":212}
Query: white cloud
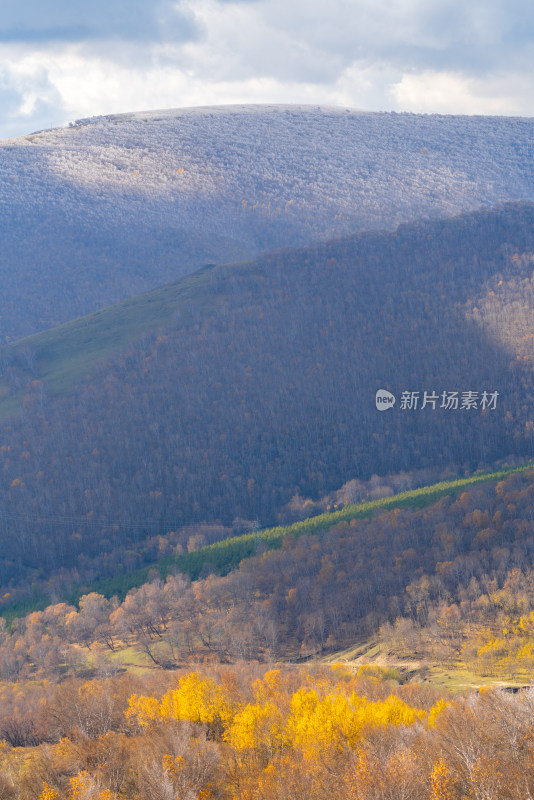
{"x":35,"y":22}
{"x":453,"y":93}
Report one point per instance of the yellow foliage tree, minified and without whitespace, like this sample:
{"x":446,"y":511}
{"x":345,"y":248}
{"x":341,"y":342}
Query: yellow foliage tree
{"x":49,"y":793}
{"x":442,"y":782}
{"x":84,"y":787}
{"x":269,"y":686}
{"x":257,"y":727}
{"x":142,"y":709}
{"x":337,"y":721}
{"x":436,"y":711}
{"x":392,"y":711}
{"x":198,"y":700}
{"x":195,"y":699}
{"x":316,"y":723}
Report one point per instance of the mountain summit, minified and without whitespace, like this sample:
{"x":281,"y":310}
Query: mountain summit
{"x":113,"y":206}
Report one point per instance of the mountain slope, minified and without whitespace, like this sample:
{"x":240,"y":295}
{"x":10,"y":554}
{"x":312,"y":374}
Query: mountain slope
{"x":266,"y":388}
{"x":63,"y":355}
{"x":114,"y":206}
{"x":324,"y":583}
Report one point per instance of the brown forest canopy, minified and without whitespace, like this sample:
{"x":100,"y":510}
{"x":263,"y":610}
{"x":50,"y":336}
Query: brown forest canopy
{"x":461,"y":562}
{"x":268,"y":390}
{"x":257,"y":734}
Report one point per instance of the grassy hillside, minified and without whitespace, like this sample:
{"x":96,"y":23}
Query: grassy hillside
{"x":64,"y":355}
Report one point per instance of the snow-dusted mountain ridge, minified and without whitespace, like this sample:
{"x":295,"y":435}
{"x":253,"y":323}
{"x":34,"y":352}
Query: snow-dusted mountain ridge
{"x":112,"y":206}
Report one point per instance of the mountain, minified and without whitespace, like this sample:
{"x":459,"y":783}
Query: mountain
{"x":113,"y":206}
{"x":284,"y":309}
{"x":237,"y":388}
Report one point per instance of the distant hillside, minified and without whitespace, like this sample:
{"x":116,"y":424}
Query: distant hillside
{"x":114,"y":206}
{"x":259,"y":384}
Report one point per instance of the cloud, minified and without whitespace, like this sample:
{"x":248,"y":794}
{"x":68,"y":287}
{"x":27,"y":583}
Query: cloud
{"x":452,"y":34}
{"x":36,"y":22}
{"x":454,"y":93}
{"x":28,"y":98}
{"x":10,"y":102}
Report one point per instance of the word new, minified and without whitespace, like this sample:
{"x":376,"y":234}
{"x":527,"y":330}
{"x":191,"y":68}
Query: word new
{"x":452,"y":401}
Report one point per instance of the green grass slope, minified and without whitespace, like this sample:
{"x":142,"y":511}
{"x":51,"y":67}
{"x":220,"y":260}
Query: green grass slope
{"x":226,"y":555}
{"x":65,"y":354}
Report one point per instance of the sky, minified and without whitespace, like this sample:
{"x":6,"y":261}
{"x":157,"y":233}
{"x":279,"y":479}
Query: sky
{"x":62,"y":60}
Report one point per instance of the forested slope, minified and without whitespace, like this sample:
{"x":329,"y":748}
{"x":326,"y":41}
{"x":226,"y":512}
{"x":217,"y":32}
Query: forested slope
{"x":75,"y":723}
{"x":463,"y":562}
{"x":114,"y":206}
{"x":266,"y":388}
